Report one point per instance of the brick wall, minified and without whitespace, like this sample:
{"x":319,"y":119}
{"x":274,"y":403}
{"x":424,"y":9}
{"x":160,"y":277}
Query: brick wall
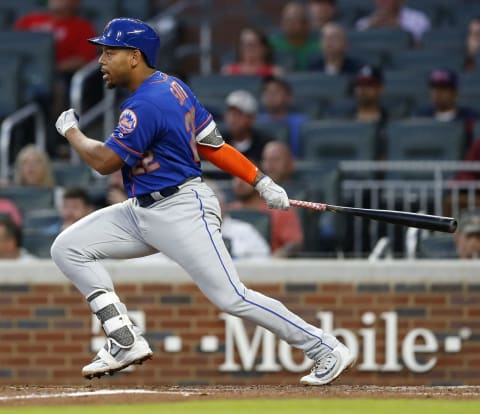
{"x":46,"y":326}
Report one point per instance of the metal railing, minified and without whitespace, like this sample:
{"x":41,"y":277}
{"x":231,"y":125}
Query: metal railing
{"x":14,"y":120}
{"x":429,"y":195}
{"x":105,"y":107}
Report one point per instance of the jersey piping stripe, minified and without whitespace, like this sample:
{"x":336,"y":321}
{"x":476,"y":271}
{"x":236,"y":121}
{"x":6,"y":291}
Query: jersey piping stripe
{"x":235,"y":288}
{"x":209,"y":117}
{"x":125,"y":147}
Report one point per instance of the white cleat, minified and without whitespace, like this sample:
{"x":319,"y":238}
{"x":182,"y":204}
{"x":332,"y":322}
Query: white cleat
{"x":329,"y":367}
{"x":112,"y":358}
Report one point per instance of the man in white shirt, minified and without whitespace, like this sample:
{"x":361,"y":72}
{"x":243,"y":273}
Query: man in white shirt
{"x":242,"y":238}
{"x":393,"y":14}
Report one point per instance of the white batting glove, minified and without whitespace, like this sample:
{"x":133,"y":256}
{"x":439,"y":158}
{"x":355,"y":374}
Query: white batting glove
{"x":66,"y":120}
{"x":272,"y":193}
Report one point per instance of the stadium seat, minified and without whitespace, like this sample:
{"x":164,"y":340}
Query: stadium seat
{"x":38,"y":242}
{"x":140,"y":9}
{"x":321,"y":230}
{"x":274,"y":129}
{"x":28,"y":198}
{"x":407,"y":87}
{"x":329,"y":142}
{"x":36,"y":51}
{"x":68,"y":175}
{"x":349,"y":11}
{"x":437,"y":247}
{"x":12,"y":10}
{"x":9,"y":85}
{"x":317,"y":85}
{"x":469,"y":83}
{"x":100,"y":12}
{"x":216,"y":85}
{"x":424,"y":139}
{"x":423,"y":61}
{"x":261,"y":220}
{"x":40,"y":219}
{"x":444,"y":38}
{"x":380,"y":39}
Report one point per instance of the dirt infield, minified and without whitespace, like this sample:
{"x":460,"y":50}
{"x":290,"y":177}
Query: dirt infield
{"x":96,"y":394}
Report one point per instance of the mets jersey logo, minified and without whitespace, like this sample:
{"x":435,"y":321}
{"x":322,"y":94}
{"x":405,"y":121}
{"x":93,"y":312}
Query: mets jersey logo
{"x":127,"y":122}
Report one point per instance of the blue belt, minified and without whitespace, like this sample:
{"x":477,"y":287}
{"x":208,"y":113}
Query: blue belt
{"x":146,"y":200}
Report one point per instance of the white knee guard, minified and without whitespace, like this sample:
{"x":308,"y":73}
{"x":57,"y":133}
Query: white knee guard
{"x":112,"y":315}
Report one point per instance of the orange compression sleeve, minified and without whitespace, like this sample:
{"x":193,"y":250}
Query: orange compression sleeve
{"x":230,"y":160}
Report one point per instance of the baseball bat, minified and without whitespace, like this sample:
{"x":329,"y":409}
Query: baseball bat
{"x":421,"y":221}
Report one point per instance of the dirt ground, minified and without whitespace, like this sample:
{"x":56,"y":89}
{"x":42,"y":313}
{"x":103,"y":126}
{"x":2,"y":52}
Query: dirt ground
{"x":96,"y":394}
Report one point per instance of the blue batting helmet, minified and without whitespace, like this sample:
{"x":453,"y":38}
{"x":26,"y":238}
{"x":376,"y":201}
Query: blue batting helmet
{"x":130,"y":33}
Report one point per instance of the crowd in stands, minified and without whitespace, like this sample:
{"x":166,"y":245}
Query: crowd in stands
{"x":316,"y":64}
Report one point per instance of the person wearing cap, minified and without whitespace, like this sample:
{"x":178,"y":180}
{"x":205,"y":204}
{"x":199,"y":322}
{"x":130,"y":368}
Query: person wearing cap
{"x":467,"y":238}
{"x":367,"y":105}
{"x":333,"y":59}
{"x":240,"y":115}
{"x":444,"y":107}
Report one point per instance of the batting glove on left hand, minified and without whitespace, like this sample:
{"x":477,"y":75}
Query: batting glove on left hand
{"x":66,"y":120}
{"x":272,"y":193}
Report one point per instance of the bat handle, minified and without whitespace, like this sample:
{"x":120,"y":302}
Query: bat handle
{"x":308,"y":204}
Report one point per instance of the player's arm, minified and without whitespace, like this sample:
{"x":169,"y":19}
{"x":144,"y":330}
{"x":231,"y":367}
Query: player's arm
{"x":92,"y":152}
{"x":212,"y":147}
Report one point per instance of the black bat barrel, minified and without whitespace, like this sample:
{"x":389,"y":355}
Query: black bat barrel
{"x":421,"y":221}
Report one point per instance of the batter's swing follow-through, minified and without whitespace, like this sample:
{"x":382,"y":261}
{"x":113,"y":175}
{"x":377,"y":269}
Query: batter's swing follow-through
{"x":162,"y":129}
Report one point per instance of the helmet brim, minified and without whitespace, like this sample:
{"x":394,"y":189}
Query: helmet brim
{"x":103,"y":41}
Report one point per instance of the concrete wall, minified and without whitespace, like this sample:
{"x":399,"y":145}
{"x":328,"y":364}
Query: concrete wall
{"x":410,"y":322}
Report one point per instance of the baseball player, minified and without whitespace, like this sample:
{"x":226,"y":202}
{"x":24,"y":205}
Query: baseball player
{"x":161,"y":131}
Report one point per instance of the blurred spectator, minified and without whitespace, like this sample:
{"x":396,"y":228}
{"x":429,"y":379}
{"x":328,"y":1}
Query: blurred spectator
{"x":254,"y":55}
{"x":277,"y":98}
{"x":239,"y":118}
{"x":444,"y":93}
{"x":367,"y":106}
{"x":76,"y":205}
{"x":8,"y":208}
{"x":286,"y":231}
{"x":116,"y":191}
{"x":472,"y":44}
{"x":71,"y":50}
{"x":33,"y":168}
{"x":278,"y":163}
{"x":242,"y":238}
{"x":473,"y":154}
{"x":393,"y":14}
{"x":467,"y":237}
{"x":296,"y":43}
{"x":334,"y":59}
{"x":320,"y":12}
{"x":11,"y":241}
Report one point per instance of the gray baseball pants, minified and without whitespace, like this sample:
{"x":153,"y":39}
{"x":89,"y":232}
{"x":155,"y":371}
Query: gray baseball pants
{"x":186,"y":228}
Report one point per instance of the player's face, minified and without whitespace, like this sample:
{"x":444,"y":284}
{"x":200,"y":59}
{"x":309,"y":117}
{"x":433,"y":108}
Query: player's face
{"x":116,"y":66}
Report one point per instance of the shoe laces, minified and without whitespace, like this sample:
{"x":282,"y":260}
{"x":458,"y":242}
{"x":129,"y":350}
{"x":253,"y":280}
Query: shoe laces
{"x":324,"y":364}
